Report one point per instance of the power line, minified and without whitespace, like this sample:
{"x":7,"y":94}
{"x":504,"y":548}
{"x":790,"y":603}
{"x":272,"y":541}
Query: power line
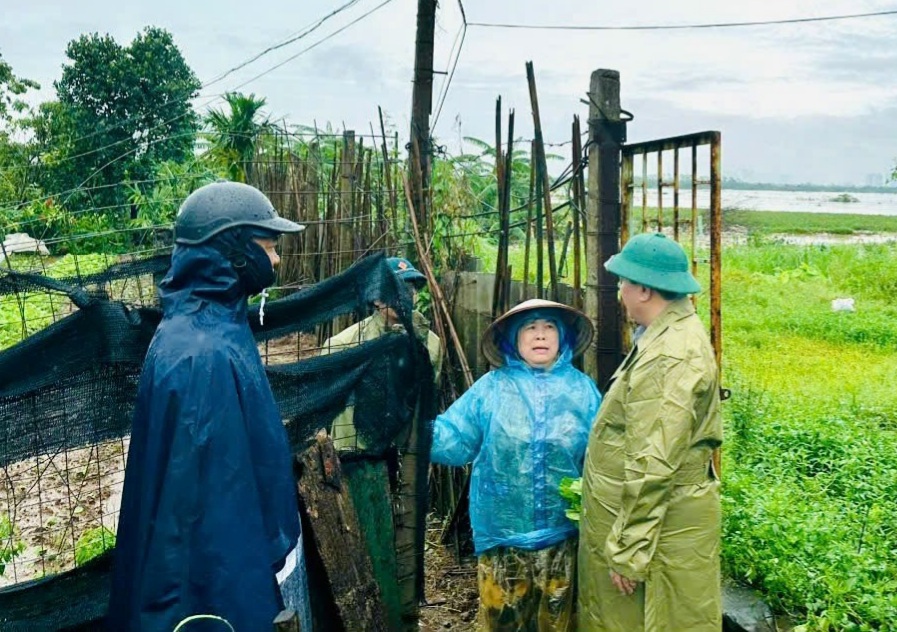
{"x":315,"y":45}
{"x":670,"y":27}
{"x":290,"y":40}
{"x":209,"y":99}
{"x":448,"y":83}
{"x":289,"y":59}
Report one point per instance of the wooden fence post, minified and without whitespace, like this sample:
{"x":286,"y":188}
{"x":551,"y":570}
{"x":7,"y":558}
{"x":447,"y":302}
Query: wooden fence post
{"x":603,"y":227}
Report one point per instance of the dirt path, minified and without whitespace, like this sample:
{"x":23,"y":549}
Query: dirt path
{"x":450,"y":589}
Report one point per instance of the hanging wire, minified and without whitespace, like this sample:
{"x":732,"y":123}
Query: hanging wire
{"x":670,"y":27}
{"x":463,"y":33}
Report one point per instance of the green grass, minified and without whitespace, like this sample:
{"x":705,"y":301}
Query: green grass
{"x":811,"y":450}
{"x":810,"y":459}
{"x":22,"y":315}
{"x":777,"y":222}
{"x":780,"y":222}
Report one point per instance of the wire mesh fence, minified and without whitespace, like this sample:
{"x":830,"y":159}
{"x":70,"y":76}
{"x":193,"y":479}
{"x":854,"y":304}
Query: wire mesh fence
{"x":60,"y":490}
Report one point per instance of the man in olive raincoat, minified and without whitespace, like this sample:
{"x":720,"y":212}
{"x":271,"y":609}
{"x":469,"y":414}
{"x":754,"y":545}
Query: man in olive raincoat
{"x":379,"y":324}
{"x":650,"y":531}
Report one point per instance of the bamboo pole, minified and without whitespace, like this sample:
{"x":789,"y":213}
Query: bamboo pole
{"x":435,"y":289}
{"x":529,"y":225}
{"x":387,"y":175}
{"x":500,"y":263}
{"x":506,"y":215}
{"x":578,"y":209}
{"x":546,"y":184}
{"x":540,"y":273}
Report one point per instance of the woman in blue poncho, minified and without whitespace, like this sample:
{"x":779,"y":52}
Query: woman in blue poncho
{"x":524,"y":426}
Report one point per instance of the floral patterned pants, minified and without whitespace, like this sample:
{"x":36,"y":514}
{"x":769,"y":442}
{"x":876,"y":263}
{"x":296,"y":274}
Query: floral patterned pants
{"x":527,"y":591}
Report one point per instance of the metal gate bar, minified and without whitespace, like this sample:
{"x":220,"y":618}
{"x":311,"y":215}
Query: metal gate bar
{"x":627,"y":185}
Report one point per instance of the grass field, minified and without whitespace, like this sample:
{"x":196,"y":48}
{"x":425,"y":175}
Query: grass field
{"x":782,"y":222}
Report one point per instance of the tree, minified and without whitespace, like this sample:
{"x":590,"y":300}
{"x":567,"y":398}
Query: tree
{"x":14,"y":162}
{"x":120,"y":111}
{"x":11,"y":87}
{"x":235,"y":135}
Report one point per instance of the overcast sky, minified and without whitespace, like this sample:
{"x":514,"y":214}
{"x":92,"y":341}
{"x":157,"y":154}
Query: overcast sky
{"x":812,"y":102}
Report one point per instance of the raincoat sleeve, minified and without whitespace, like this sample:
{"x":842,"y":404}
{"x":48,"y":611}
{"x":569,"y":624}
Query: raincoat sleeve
{"x":434,"y":348}
{"x":594,"y":403}
{"x":458,"y":432}
{"x":660,"y":418}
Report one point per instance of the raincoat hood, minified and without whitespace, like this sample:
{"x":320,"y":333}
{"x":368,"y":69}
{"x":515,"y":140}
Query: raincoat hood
{"x":201,"y":275}
{"x":508,"y":343}
{"x":496,"y":343}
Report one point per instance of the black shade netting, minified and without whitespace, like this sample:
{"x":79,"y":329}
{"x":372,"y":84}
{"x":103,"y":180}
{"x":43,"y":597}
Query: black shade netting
{"x":74,"y":383}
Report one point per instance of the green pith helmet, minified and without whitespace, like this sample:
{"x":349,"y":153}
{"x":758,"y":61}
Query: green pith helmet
{"x":655,"y":261}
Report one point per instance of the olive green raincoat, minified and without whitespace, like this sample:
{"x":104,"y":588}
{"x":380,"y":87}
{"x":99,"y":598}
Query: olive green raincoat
{"x":371,"y":328}
{"x":651,"y":509}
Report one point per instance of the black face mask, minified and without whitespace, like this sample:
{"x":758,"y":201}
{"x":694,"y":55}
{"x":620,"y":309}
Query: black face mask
{"x":250,"y":261}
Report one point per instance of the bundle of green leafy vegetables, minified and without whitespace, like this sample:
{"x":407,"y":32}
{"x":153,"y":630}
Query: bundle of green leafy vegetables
{"x":570,"y":490}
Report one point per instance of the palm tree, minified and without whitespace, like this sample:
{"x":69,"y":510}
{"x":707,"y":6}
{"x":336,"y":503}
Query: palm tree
{"x":235,"y":135}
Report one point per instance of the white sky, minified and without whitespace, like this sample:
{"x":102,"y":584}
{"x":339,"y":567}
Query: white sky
{"x":806,"y":102}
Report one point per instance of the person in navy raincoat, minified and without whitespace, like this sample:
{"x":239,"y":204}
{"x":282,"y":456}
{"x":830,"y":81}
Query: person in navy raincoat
{"x":209,"y":511}
{"x":525,"y":427}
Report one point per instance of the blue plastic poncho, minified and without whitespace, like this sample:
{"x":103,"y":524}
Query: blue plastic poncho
{"x":524,"y":429}
{"x":209,"y":508}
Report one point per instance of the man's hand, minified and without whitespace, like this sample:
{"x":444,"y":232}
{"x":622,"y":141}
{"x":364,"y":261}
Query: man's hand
{"x":624,"y":585}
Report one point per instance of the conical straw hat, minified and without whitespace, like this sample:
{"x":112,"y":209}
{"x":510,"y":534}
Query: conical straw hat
{"x":572,"y":318}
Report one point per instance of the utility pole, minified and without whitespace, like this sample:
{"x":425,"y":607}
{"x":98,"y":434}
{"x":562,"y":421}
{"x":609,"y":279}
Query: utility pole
{"x":421,"y":108}
{"x":603,"y":233}
{"x":411,"y":510}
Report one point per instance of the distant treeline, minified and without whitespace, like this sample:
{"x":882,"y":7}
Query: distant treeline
{"x":734,"y":183}
{"x":741,"y":185}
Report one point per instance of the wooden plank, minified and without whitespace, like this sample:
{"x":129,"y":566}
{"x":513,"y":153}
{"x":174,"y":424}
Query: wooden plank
{"x":338,"y":540}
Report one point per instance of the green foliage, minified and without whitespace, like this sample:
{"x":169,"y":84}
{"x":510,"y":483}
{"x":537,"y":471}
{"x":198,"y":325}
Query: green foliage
{"x":24,"y":315}
{"x":10,"y":545}
{"x":454,"y":197}
{"x":480,"y":179}
{"x":235,"y":134}
{"x":11,"y":88}
{"x":763,"y":223}
{"x":488,"y":253}
{"x":811,"y":431}
{"x":120,"y":110}
{"x":93,"y":543}
{"x":570,"y":490}
{"x":15,"y":164}
{"x":173,"y":182}
{"x":785,"y":222}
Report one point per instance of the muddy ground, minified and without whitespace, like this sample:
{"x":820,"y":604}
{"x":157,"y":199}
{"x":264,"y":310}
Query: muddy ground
{"x":52,"y":500}
{"x":450,"y":588}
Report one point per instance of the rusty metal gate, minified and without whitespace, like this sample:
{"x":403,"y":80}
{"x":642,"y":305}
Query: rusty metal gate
{"x":652,"y":217}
